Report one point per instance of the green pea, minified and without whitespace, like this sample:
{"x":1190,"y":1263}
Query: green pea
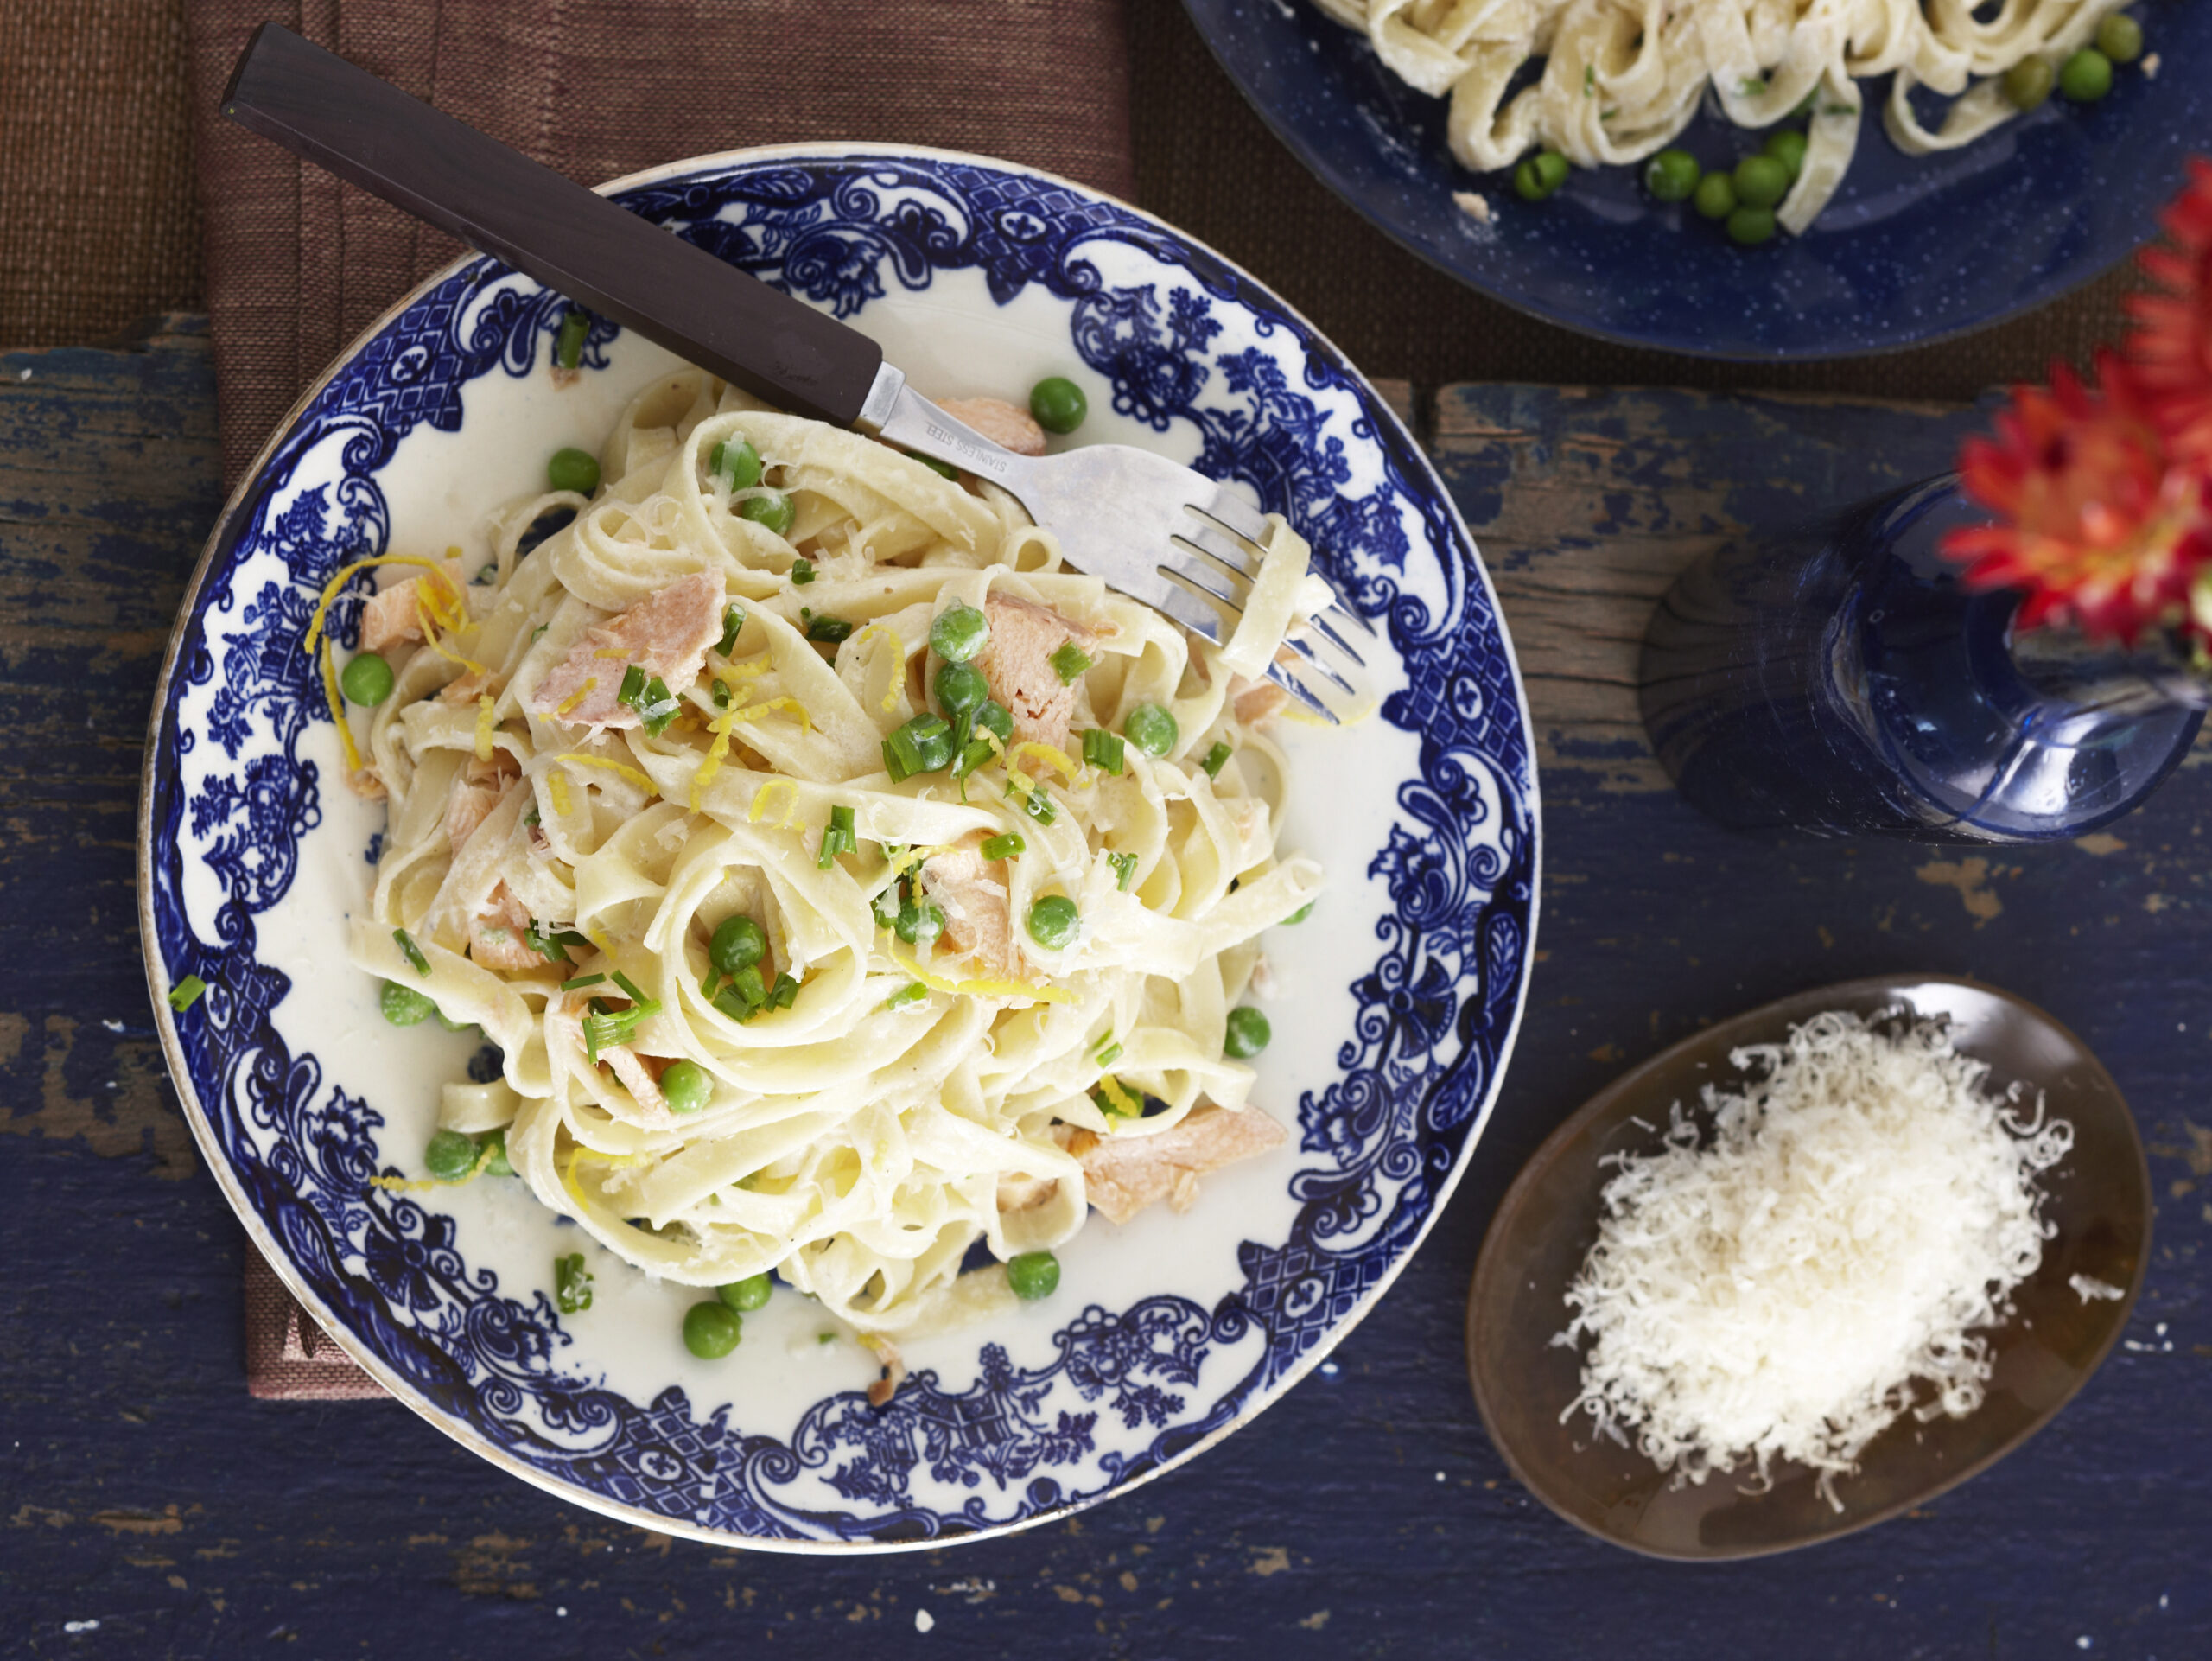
{"x":1672,"y":174}
{"x":2028,"y":83}
{"x":738,"y":943}
{"x":737,"y":466}
{"x":1786,"y":147}
{"x":711,"y":1330}
{"x":450,"y":1156}
{"x":573,"y":469}
{"x":1053,"y":921}
{"x":1715,"y":195}
{"x":404,"y":1006}
{"x":1538,"y":176}
{"x":498,"y":1164}
{"x":772,"y":512}
{"x":1151,"y":729}
{"x":998,"y":718}
{"x":367,"y":679}
{"x":959,"y":632}
{"x":746,"y":1296}
{"x":1034,"y":1275}
{"x":1058,"y":404}
{"x":943,"y":469}
{"x":1750,"y":226}
{"x":1761,"y":182}
{"x":961,"y":688}
{"x":1247,"y":1035}
{"x":2120,"y":37}
{"x":686,"y":1085}
{"x":2087,"y":76}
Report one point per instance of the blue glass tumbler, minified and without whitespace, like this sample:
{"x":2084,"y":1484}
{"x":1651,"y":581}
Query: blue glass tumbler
{"x":1842,"y":681}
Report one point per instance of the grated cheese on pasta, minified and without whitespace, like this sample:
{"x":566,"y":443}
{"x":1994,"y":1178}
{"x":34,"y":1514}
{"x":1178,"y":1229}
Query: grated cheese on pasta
{"x":1787,"y":1285}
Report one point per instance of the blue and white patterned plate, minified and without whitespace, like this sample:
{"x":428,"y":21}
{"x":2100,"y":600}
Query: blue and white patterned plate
{"x":1913,"y":249}
{"x":1396,"y":1002}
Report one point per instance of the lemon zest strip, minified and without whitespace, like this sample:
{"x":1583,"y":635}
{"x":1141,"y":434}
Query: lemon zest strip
{"x":338,"y":709}
{"x":557,"y":787}
{"x":761,"y":803}
{"x":330,"y":588}
{"x":983,"y":988}
{"x":576,"y":697}
{"x":484,"y":728}
{"x":1046,"y":753}
{"x":753,"y":710}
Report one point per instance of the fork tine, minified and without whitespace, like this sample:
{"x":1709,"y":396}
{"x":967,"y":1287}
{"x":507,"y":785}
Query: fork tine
{"x":1320,"y":624}
{"x":1203,"y":578}
{"x":1185,"y":610}
{"x":1322,"y":668}
{"x":1223,"y":550}
{"x":1303,"y":694}
{"x":1234,"y":515}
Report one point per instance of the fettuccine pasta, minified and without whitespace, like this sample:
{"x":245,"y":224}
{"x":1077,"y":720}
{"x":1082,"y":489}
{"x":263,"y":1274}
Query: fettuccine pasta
{"x":772,"y":992}
{"x":1620,"y":80}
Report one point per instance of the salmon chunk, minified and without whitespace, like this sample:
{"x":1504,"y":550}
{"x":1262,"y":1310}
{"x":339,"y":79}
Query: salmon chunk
{"x":999,"y":422}
{"x":1017,"y":662}
{"x":495,"y":934}
{"x":1123,"y":1175}
{"x":389,"y":617}
{"x":475,"y":792}
{"x":977,"y":917}
{"x":666,"y":635}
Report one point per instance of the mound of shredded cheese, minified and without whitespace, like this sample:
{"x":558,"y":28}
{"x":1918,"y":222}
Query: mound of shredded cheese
{"x":1785,"y":1286}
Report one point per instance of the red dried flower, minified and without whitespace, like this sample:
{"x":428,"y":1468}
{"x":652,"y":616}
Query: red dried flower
{"x":2096,"y":527}
{"x":2170,"y":350}
{"x":2104,"y":492}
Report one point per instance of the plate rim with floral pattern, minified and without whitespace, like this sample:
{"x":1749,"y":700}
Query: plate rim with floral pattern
{"x":709,"y":1483}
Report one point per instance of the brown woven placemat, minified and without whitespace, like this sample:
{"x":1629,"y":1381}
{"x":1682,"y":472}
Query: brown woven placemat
{"x":95,"y":165}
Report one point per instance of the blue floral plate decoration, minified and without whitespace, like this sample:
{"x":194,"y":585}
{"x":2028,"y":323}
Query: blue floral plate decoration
{"x":1395,"y":1004}
{"x":1912,"y":250}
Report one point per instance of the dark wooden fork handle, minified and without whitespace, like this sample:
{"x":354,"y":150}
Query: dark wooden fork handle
{"x":501,"y":202}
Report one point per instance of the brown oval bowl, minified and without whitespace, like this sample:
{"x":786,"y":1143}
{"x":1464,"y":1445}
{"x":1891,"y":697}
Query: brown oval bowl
{"x":2098,"y":1199}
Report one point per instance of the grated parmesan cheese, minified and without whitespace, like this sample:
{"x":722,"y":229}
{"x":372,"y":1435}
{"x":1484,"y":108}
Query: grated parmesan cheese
{"x":2089,"y":1288}
{"x":1785,"y":1287}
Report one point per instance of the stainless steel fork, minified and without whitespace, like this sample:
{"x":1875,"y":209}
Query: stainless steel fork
{"x":1161,"y":534}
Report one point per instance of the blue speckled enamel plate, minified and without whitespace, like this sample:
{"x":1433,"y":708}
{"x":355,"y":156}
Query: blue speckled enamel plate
{"x":1396,"y":1002}
{"x":1913,"y":248}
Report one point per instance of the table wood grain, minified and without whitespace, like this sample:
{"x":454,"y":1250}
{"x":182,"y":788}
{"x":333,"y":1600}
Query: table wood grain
{"x":151,"y":1508}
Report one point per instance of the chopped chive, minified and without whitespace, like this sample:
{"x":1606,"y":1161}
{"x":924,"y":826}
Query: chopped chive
{"x":923,"y":745}
{"x":837,"y":837}
{"x":581,"y":982}
{"x":1103,"y":750}
{"x":732,"y":626}
{"x":543,"y":944}
{"x":1589,"y":79}
{"x":569,"y":937}
{"x":630,"y":990}
{"x":531,"y":817}
{"x":828,"y":630}
{"x":1109,"y":1054}
{"x":1004,"y":847}
{"x":569,"y":346}
{"x":784,"y":993}
{"x":659,"y":707}
{"x":1114,"y":1098}
{"x":911,"y":992}
{"x":1216,"y":759}
{"x":1038,"y":806}
{"x":720,"y":692}
{"x":802,"y":571}
{"x":539,"y":630}
{"x":414,"y":952}
{"x":186,"y":993}
{"x":634,"y":686}
{"x":1069,"y":662}
{"x":1125,"y":867}
{"x":884,"y":918}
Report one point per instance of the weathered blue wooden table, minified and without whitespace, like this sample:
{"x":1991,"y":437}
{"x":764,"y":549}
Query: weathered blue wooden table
{"x":152,"y":1508}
